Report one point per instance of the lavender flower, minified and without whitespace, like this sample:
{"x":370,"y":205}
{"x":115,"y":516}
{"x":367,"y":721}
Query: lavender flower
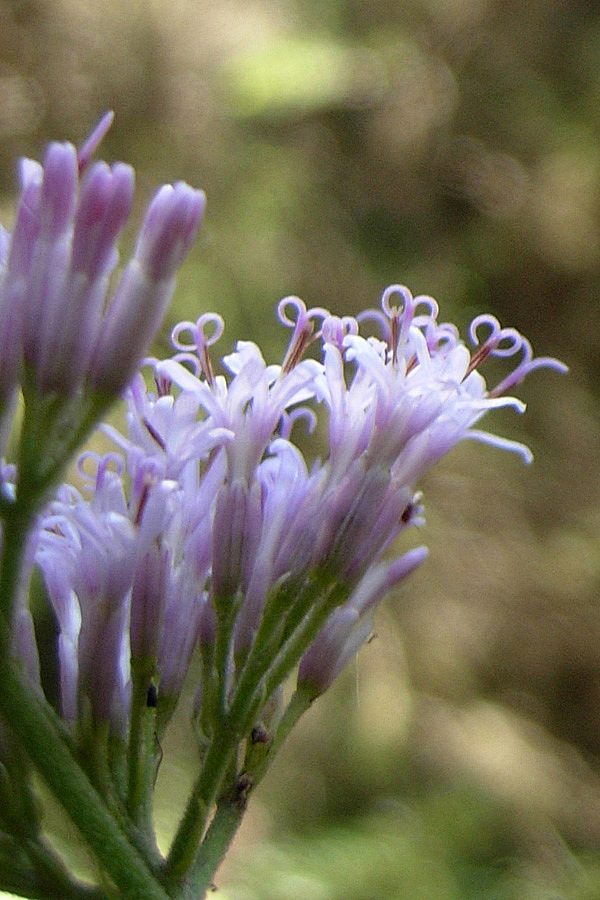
{"x":206,"y":527}
{"x":224,"y":512}
{"x":55,"y":317}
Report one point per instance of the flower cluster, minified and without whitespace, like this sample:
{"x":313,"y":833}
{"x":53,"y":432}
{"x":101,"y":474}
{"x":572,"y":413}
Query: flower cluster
{"x":62,"y":337}
{"x":209,"y":527}
{"x":205,"y":528}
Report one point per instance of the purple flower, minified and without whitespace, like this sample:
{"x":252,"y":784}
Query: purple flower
{"x":224,"y":525}
{"x":125,"y":571}
{"x":87,"y":555}
{"x":146,"y":287}
{"x":55,"y":315}
{"x":350,"y":625}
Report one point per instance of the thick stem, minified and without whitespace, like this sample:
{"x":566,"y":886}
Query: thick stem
{"x":55,"y":881}
{"x":21,"y":710}
{"x":260,"y":756}
{"x":246,"y":703}
{"x":299,"y":641}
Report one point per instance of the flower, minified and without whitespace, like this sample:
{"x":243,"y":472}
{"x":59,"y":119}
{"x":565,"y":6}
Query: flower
{"x":55,"y":316}
{"x":227,"y":536}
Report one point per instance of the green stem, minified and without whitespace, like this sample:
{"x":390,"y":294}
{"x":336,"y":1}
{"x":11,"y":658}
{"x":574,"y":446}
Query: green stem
{"x":223,"y":827}
{"x":189,"y":834}
{"x":227,"y":728}
{"x":141,"y":761}
{"x":232,"y":805}
{"x":17,"y":522}
{"x":283,"y":605}
{"x":285,"y":621}
{"x":292,"y":651}
{"x":249,"y":696}
{"x":27,"y":871}
{"x":20,"y":709}
{"x":260,"y":756}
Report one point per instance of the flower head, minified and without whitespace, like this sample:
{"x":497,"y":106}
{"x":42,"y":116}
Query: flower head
{"x":56,"y":318}
{"x":225,"y":525}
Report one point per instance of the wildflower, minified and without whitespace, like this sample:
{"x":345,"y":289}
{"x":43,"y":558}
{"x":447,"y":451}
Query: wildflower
{"x":55,"y":317}
{"x":225,"y":519}
{"x":206,"y":527}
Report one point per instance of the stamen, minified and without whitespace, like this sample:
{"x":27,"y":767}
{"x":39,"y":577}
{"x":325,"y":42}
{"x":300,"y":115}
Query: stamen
{"x":143,"y":500}
{"x":154,"y":433}
{"x":400,"y":319}
{"x":304,"y":331}
{"x":335,"y":329}
{"x":527,"y":364}
{"x":201,"y":340}
{"x":102,"y":464}
{"x":163,"y":384}
{"x":376,"y":315}
{"x":288,"y":420}
{"x":491,"y":345}
{"x":441,"y":338}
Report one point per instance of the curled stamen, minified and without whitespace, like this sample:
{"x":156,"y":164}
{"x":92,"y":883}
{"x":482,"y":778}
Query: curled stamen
{"x":201,"y":340}
{"x":199,"y":332}
{"x":400,"y":318}
{"x":205,"y":322}
{"x":429,"y":318}
{"x":514,"y":340}
{"x":206,"y":340}
{"x":491,"y":345}
{"x":484,"y":319}
{"x":527,"y":364}
{"x":295,"y":302}
{"x":407,"y":300}
{"x":178,"y":330}
{"x":441,"y":338}
{"x":304,"y":329}
{"x":288,"y":420}
{"x":163,"y":380}
{"x":334,"y":330}
{"x":102,"y":464}
{"x":376,"y":315}
{"x":189,"y":359}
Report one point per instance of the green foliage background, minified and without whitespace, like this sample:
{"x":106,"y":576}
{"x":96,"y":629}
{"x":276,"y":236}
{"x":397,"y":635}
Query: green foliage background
{"x":451,"y":146}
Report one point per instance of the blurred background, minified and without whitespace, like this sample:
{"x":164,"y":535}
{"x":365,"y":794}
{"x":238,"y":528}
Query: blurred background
{"x":451,"y":145}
